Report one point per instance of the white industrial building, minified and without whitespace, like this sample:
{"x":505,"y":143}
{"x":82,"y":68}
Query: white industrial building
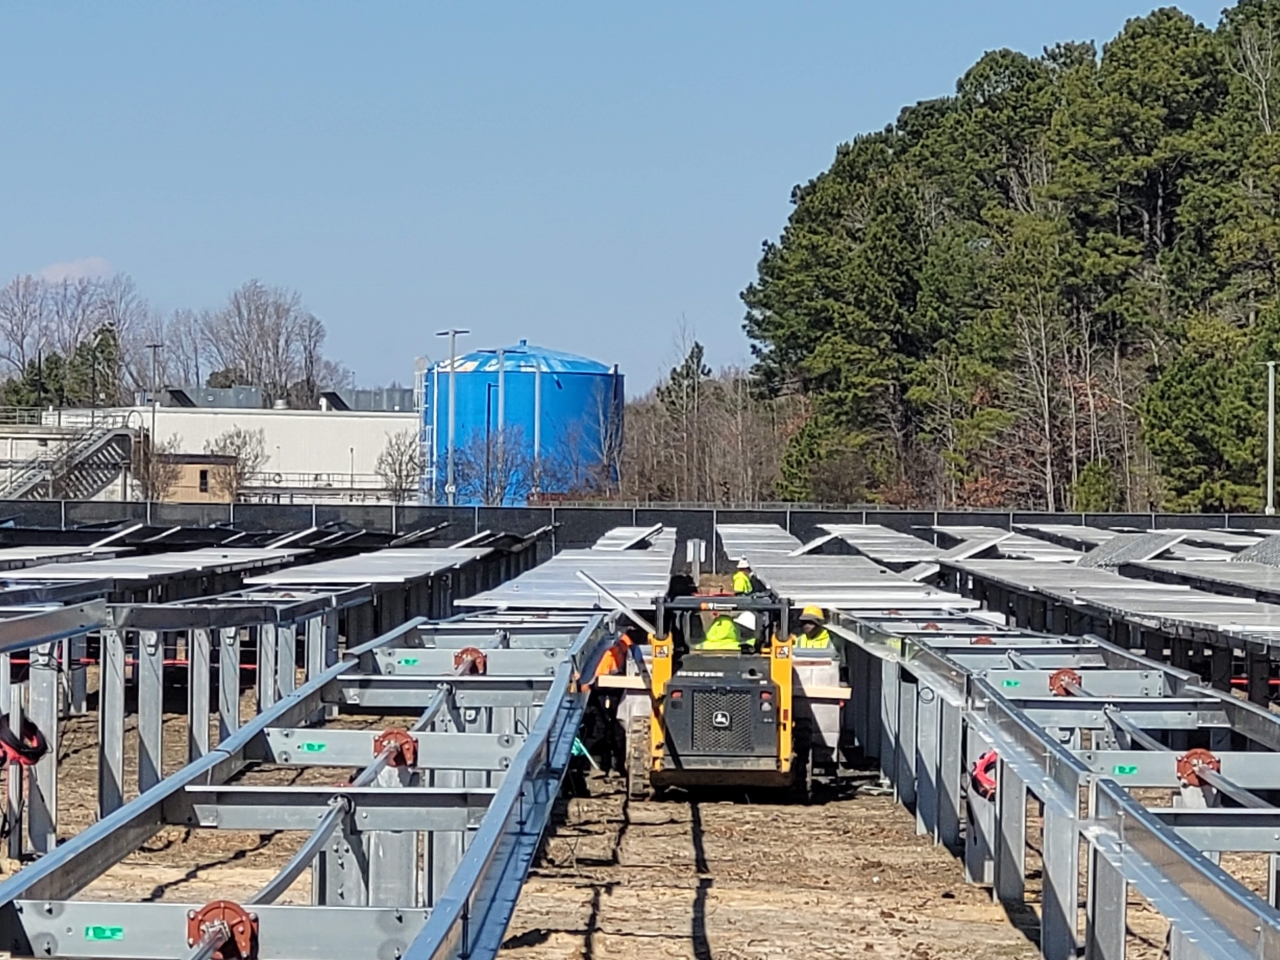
{"x":310,"y":454}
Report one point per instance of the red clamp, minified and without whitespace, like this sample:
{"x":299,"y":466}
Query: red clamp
{"x":1190,"y":762}
{"x":1059,"y":679}
{"x":932,"y":626}
{"x":478,"y":662}
{"x":26,"y":750}
{"x":406,"y":753}
{"x":981,"y":641}
{"x":984,"y":777}
{"x":241,"y":928}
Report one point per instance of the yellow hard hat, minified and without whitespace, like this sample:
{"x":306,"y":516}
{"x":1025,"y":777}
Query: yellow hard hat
{"x":812,"y":613}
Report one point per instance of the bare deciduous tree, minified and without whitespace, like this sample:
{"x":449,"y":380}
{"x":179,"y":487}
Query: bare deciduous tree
{"x":155,"y":471}
{"x":493,"y":467}
{"x":400,"y":465}
{"x":1253,"y":59}
{"x":247,"y":448}
{"x":263,"y":337}
{"x":267,"y":338}
{"x":726,"y":450}
{"x":22,"y":314}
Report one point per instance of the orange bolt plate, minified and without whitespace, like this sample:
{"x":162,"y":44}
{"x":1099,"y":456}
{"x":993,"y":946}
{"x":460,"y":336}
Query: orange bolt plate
{"x":406,"y":754}
{"x":479,"y":663}
{"x":1059,"y":679}
{"x":1189,"y":763}
{"x":243,"y":943}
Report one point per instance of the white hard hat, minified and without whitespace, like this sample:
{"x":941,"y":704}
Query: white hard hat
{"x":746,"y":618}
{"x":743,"y":565}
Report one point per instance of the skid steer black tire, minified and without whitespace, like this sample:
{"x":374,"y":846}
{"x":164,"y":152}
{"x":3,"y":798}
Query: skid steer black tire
{"x":638,"y":786}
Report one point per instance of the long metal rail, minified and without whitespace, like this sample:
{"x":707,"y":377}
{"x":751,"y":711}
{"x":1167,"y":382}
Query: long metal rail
{"x":497,"y":720}
{"x":967,"y":725}
{"x":421,"y":853}
{"x":969,"y":718}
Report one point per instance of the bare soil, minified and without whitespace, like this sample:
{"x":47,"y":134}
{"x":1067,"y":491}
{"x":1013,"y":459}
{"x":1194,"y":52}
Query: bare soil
{"x":180,"y":864}
{"x":736,"y":880}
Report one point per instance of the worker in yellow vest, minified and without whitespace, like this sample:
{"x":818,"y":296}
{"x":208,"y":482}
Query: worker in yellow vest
{"x":742,"y":582}
{"x":813,"y":630}
{"x":728,"y":633}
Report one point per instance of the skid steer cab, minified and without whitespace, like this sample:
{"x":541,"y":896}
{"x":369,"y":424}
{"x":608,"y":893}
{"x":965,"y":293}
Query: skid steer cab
{"x":720,"y":690}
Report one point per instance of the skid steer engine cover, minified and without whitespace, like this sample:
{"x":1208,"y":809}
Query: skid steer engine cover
{"x":721,"y":709}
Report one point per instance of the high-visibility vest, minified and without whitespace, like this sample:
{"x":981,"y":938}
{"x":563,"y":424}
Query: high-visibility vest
{"x":721,"y":635}
{"x":614,"y":659}
{"x":742,"y":582}
{"x":819,"y":641}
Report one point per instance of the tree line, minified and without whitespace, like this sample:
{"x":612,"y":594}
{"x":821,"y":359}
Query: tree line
{"x":706,"y":437}
{"x":88,"y":342}
{"x":1051,"y":290}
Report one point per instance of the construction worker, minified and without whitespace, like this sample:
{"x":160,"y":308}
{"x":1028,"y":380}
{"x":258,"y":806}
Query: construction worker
{"x":726,"y":633}
{"x":813,"y":631}
{"x":742,"y":583}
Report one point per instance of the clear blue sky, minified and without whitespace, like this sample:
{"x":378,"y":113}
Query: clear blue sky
{"x":581,"y":174}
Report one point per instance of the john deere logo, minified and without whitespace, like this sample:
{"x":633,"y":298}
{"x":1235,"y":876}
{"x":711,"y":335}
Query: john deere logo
{"x":720,"y":719}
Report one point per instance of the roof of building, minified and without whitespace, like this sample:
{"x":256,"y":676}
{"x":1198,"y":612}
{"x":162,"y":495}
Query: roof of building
{"x":202,"y":459}
{"x":524,"y":357}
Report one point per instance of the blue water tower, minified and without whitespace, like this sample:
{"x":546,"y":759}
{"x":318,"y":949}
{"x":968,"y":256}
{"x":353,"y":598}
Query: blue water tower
{"x":531,"y":425}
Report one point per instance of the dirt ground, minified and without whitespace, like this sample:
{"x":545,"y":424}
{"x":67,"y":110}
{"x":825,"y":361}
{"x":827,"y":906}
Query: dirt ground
{"x":179,"y":864}
{"x":736,"y":880}
{"x":716,"y":878}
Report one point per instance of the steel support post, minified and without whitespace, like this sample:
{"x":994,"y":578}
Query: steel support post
{"x":150,"y":709}
{"x":286,"y":659}
{"x":951,"y":774}
{"x":16,"y":780}
{"x":74,"y":649}
{"x":1220,"y":668}
{"x":42,"y":798}
{"x":392,"y":856}
{"x":926,"y":760}
{"x":979,"y":822}
{"x":444,"y":848}
{"x":1009,"y":837}
{"x":860,"y":694}
{"x":268,"y":656}
{"x":888,"y":719}
{"x":6,"y":682}
{"x":340,"y":874}
{"x":331,"y":652}
{"x":111,"y":724}
{"x":1061,"y":844}
{"x":905,"y":778}
{"x":1220,"y":678}
{"x":315,"y":647}
{"x":873,"y":706}
{"x":199,"y":679}
{"x":1259,"y":674}
{"x":1105,"y":910}
{"x":393,"y":868}
{"x":228,"y":682}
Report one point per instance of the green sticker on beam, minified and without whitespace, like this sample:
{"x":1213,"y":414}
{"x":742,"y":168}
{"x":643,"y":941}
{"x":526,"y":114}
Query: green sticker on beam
{"x":1124,"y":770}
{"x":1011,"y":683}
{"x":313,"y":747}
{"x":104,"y":933}
{"x":409,"y":662}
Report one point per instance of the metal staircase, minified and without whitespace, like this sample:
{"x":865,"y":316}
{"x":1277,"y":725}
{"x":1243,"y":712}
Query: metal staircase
{"x":79,"y":469}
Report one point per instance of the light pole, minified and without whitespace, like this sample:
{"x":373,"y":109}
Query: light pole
{"x":452,"y":333}
{"x":155,"y":402}
{"x":1271,"y":437}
